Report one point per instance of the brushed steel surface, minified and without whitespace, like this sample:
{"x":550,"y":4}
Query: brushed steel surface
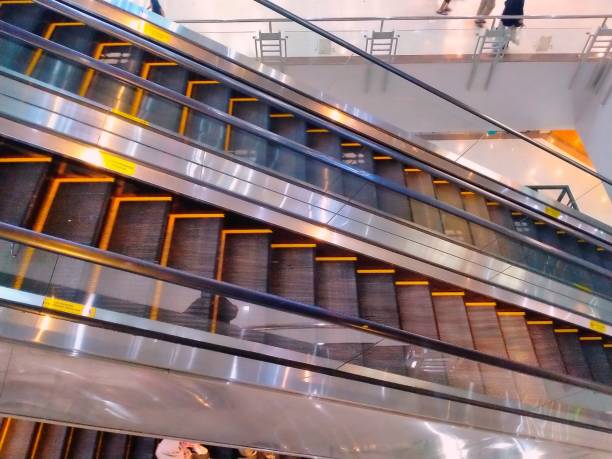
{"x":216,"y":398}
{"x":265,"y":77}
{"x":189,"y":177}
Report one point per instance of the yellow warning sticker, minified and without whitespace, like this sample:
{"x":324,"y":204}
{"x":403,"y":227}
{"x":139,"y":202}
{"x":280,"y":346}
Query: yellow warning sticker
{"x":118,"y":164}
{"x":552,"y":212}
{"x":598,"y":326}
{"x":57,"y":304}
{"x":156,"y":33}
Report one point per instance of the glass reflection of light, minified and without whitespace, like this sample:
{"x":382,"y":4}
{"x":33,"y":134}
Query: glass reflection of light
{"x":45,"y":323}
{"x":452,"y":447}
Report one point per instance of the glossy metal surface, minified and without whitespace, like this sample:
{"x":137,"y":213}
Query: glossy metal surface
{"x":197,"y":46}
{"x":276,"y":201}
{"x":122,"y":382}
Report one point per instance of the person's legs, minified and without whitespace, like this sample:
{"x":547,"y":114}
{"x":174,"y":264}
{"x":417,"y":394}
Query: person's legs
{"x":444,"y":7}
{"x":485,"y":9}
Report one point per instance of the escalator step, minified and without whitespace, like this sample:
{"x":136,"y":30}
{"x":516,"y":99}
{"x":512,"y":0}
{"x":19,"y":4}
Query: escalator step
{"x":18,"y":439}
{"x":336,"y":291}
{"x":245,"y":145}
{"x":202,"y":128}
{"x":572,"y":355}
{"x":423,"y":214}
{"x":16,"y":55}
{"x":483,"y":238}
{"x":454,"y":227}
{"x":62,"y":73}
{"x":390,"y":201}
{"x":82,"y":444}
{"x":282,"y":159}
{"x":520,"y":349}
{"x":19,"y":187}
{"x":454,"y":327}
{"x":325,"y":177}
{"x":598,"y":363}
{"x":292,"y":273}
{"x":142,"y":448}
{"x":488,"y":339}
{"x":159,"y":111}
{"x":51,"y":443}
{"x":356,"y":188}
{"x":377,"y":302}
{"x":545,"y":345}
{"x":112,"y":446}
{"x":417,"y":316}
{"x":193,"y":248}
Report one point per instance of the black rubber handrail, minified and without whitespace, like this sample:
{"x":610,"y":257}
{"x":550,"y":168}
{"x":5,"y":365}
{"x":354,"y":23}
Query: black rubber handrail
{"x":18,"y":235}
{"x":421,"y":84}
{"x":149,"y":86}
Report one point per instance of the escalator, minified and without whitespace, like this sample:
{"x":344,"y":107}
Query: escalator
{"x":195,"y":106}
{"x":99,"y":201}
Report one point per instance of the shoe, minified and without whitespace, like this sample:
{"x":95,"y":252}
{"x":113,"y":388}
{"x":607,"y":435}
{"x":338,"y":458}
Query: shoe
{"x":480,"y":23}
{"x":443,"y":12}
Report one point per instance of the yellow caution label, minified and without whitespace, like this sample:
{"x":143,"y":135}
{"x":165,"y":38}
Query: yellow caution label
{"x":552,"y":212}
{"x":598,"y":326}
{"x":118,"y":164}
{"x":156,"y":33}
{"x":57,"y":304}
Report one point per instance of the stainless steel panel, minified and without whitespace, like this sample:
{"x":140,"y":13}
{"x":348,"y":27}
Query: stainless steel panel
{"x":260,"y":75}
{"x":216,"y":398}
{"x":185,"y":177}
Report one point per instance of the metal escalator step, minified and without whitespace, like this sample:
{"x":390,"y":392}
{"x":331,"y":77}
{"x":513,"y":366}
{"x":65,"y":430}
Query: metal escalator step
{"x":243,"y":144}
{"x":18,"y":439}
{"x":503,"y":217}
{"x":454,"y":227}
{"x":292,"y":276}
{"x":142,"y":448}
{"x":520,"y":349}
{"x":390,"y":201}
{"x":545,"y":345}
{"x":423,"y":214}
{"x":107,"y":90}
{"x":81,"y":444}
{"x":572,"y":354}
{"x":245,"y":263}
{"x":71,"y":210}
{"x":134,"y":227}
{"x":284,"y":160}
{"x":417,"y":316}
{"x":336,"y":291}
{"x":377,"y":302}
{"x":51,"y":443}
{"x":483,"y":237}
{"x":488,"y":338}
{"x":59,"y":72}
{"x":112,"y":446}
{"x":204,"y":129}
{"x":326,"y":177}
{"x":292,"y":273}
{"x":356,"y":188}
{"x":454,"y":327}
{"x":20,"y":184}
{"x":159,"y":111}
{"x":193,"y":246}
{"x":16,"y":55}
{"x":595,"y":356}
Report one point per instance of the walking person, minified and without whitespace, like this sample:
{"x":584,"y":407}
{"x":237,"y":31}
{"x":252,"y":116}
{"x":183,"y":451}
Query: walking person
{"x":444,"y":8}
{"x":484,"y":9}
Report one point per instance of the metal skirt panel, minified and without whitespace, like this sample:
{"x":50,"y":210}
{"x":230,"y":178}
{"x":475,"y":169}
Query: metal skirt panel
{"x":182,"y":171}
{"x":222,"y":399}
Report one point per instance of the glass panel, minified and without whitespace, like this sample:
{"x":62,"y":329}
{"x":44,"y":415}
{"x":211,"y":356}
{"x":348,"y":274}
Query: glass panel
{"x":81,"y":288}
